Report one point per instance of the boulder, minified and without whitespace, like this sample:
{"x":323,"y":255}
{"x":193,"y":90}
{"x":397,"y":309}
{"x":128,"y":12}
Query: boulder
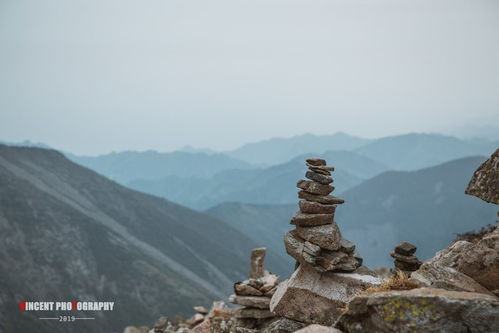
{"x":485,"y":181}
{"x":326,"y":236}
{"x":421,"y":310}
{"x":318,"y":329}
{"x":323,"y":199}
{"x":436,"y":276}
{"x":480,"y":260}
{"x":259,"y":302}
{"x":314,"y":188}
{"x":317,"y":177}
{"x":312,"y":297}
{"x":310,"y":220}
{"x":311,"y":207}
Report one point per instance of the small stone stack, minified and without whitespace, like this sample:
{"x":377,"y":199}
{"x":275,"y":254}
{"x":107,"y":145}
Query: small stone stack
{"x":405,"y":260}
{"x":317,"y":240}
{"x":255,"y":293}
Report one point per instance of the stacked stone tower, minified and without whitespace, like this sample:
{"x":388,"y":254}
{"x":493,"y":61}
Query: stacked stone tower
{"x":405,"y":260}
{"x":316,"y":240}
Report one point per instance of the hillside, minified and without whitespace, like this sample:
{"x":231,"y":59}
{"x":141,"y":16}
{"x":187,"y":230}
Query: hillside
{"x":130,"y":165}
{"x":272,"y":185}
{"x":67,"y":233}
{"x":427,"y":207}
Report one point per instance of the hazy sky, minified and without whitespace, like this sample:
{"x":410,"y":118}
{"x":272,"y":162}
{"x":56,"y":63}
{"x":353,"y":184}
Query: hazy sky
{"x":91,"y":76}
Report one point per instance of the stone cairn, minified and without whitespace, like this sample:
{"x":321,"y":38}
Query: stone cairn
{"x":405,"y":260}
{"x":316,"y":240}
{"x":255,"y":293}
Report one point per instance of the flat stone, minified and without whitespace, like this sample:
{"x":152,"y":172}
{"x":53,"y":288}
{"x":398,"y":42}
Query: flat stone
{"x":245,"y":289}
{"x":346,"y":246}
{"x":485,"y":181}
{"x":303,"y":251}
{"x":421,"y":310}
{"x":260,"y":302}
{"x":406,"y":259}
{"x":317,"y":177}
{"x":252,"y":313}
{"x":405,"y":249}
{"x":316,"y":161}
{"x":312,"y":297}
{"x":326,"y":236}
{"x":271,"y":292}
{"x":323,"y":170}
{"x":318,"y":329}
{"x":338,"y":261}
{"x":310,"y":207}
{"x":255,"y":283}
{"x":310,"y":220}
{"x":314,"y":188}
{"x":323,"y":199}
{"x":436,"y":276}
{"x":403,"y":266}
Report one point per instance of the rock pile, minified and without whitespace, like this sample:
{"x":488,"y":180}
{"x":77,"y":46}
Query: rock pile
{"x":328,"y":275}
{"x":316,"y":240}
{"x":405,"y":260}
{"x":255,"y":293}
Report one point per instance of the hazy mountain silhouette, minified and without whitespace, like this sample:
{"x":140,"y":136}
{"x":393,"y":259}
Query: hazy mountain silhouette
{"x":272,"y":185}
{"x":427,"y":207}
{"x":130,"y":165}
{"x":67,"y":233}
{"x":280,"y":150}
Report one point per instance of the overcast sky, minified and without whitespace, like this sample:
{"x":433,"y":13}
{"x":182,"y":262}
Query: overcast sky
{"x":92,"y":76}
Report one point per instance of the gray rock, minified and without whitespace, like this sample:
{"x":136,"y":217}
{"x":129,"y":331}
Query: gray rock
{"x":317,"y":177}
{"x":303,"y":251}
{"x":310,"y":220}
{"x":346,"y":246}
{"x":405,"y":249}
{"x":244,"y":289}
{"x":436,"y":276}
{"x":257,"y":263}
{"x":283,"y":325}
{"x":312,"y":297}
{"x":485,"y":181}
{"x":260,"y":302}
{"x":200,"y":309}
{"x":314,"y":188}
{"x":327,"y":200}
{"x":326,"y":236}
{"x":252,"y":313}
{"x":421,"y":310}
{"x":310,"y":207}
{"x":338,"y":261}
{"x":318,"y":329}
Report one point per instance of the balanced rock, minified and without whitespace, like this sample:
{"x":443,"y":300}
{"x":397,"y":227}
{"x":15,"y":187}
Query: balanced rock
{"x":314,"y":188}
{"x":313,"y":297}
{"x":326,"y":236}
{"x":260,"y":302}
{"x":320,"y":178}
{"x":316,"y":161}
{"x":310,"y":220}
{"x":323,"y":199}
{"x":421,"y":310}
{"x":405,"y":249}
{"x":257,"y":263}
{"x":303,"y":251}
{"x":310,"y":207}
{"x":405,"y":260}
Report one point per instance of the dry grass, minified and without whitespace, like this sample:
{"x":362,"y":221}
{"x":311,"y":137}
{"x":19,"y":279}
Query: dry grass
{"x":399,"y":281}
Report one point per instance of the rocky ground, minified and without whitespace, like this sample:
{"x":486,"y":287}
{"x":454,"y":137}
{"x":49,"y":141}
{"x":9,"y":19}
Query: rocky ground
{"x":330,"y":291}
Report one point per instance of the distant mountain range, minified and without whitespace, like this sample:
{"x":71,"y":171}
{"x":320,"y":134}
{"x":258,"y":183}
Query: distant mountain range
{"x":67,"y":233}
{"x":427,"y":207}
{"x":204,"y":179}
{"x":272,"y":185}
